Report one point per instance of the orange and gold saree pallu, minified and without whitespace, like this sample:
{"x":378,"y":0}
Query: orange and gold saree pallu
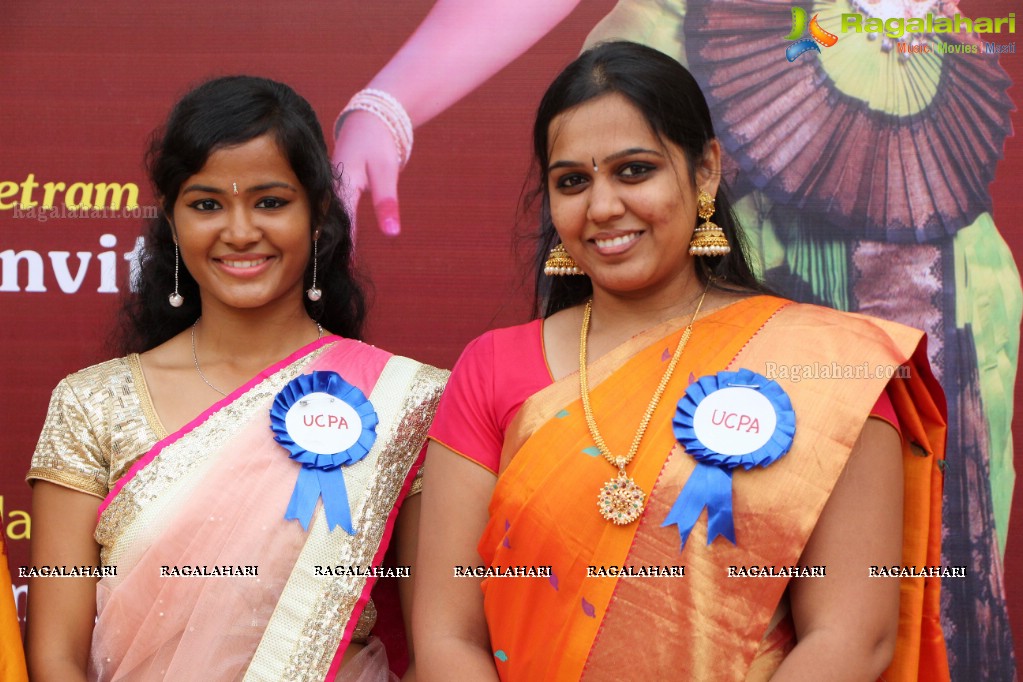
{"x":705,"y":625}
{"x":211,"y":498}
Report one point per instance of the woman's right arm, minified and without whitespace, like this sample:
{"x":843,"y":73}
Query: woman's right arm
{"x":448,"y":625}
{"x":61,"y":611}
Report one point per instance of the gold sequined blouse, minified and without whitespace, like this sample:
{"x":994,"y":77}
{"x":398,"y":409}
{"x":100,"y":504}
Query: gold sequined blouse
{"x":100,"y":421}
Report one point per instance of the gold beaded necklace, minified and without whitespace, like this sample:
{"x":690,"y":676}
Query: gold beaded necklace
{"x":620,"y":500}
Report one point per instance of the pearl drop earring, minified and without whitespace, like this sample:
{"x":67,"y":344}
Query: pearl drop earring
{"x":313,"y":293}
{"x":176,"y":299}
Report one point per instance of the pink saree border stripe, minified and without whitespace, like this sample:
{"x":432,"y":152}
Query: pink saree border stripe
{"x":385,"y":542}
{"x":198,"y":421}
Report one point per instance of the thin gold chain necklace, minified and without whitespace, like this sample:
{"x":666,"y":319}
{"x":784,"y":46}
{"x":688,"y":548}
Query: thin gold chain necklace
{"x":195,"y":356}
{"x":621,"y":500}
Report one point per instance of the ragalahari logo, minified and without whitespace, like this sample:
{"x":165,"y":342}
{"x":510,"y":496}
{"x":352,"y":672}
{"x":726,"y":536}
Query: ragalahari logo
{"x":799,"y":29}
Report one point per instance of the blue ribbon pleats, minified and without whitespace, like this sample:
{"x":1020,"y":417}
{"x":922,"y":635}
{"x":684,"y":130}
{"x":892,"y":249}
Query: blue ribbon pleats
{"x":321,"y":476}
{"x":710,"y":485}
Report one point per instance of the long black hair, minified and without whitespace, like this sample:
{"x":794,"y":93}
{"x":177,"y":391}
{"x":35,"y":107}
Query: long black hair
{"x":222,"y":113}
{"x":672,"y":103}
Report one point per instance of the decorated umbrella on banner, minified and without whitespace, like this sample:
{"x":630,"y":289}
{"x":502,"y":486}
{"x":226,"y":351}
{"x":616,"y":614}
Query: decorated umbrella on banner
{"x":895,"y":145}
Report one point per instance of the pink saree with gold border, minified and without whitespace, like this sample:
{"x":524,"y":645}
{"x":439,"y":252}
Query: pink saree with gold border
{"x":211,"y":498}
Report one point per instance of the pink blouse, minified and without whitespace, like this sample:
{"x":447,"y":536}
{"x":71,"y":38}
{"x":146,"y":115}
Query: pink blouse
{"x":493,"y":377}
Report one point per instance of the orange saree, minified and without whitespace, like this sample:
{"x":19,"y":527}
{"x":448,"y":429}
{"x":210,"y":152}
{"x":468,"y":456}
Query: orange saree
{"x":585,"y":622}
{"x":12,"y":656}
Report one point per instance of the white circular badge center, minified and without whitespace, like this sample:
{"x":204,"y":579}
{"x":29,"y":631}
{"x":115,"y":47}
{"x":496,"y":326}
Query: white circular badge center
{"x":735,"y":421}
{"x":323,"y":424}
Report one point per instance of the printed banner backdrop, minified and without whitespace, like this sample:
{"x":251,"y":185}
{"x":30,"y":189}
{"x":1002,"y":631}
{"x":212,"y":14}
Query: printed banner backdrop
{"x":873,"y":178}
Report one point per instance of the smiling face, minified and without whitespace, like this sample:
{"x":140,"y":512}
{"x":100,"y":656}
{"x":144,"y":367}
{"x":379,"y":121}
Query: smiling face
{"x":628,"y":223}
{"x":247,"y":249}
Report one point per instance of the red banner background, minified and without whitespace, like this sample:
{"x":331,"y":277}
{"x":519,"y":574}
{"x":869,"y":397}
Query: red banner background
{"x":82,"y":86}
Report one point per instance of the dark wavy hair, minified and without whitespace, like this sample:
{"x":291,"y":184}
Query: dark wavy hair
{"x":672,"y":103}
{"x":220,"y":113}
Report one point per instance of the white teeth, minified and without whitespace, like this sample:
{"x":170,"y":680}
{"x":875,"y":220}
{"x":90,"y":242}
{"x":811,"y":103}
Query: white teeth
{"x":616,"y":241}
{"x":244,"y":263}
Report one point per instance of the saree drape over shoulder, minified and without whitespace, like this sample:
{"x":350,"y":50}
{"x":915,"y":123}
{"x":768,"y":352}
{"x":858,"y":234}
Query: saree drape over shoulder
{"x":211,"y":581}
{"x":703,"y":625}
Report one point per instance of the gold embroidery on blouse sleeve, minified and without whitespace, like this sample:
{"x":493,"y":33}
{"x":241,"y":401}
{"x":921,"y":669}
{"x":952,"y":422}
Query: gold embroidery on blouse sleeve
{"x":94,"y":430}
{"x":67,"y":479}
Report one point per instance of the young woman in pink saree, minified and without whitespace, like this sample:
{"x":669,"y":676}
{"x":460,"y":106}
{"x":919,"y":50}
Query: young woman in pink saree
{"x":234,"y":482}
{"x":705,"y":481}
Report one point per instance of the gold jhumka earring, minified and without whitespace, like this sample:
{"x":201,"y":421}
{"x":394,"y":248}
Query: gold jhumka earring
{"x":560,"y":262}
{"x":708,"y":239}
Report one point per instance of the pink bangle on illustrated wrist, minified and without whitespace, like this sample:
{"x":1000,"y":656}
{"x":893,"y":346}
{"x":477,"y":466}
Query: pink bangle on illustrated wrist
{"x":389,"y":110}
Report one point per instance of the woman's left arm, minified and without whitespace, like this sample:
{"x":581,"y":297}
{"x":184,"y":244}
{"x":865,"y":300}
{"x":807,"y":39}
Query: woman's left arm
{"x":847,"y":622}
{"x":408,"y":535}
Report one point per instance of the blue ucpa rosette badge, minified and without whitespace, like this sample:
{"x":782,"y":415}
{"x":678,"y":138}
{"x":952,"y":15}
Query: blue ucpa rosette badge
{"x":325,"y":423}
{"x":727,"y":420}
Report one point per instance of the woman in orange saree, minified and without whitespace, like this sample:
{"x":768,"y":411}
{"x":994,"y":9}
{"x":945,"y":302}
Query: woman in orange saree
{"x":235,"y":482}
{"x":819,"y":559}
